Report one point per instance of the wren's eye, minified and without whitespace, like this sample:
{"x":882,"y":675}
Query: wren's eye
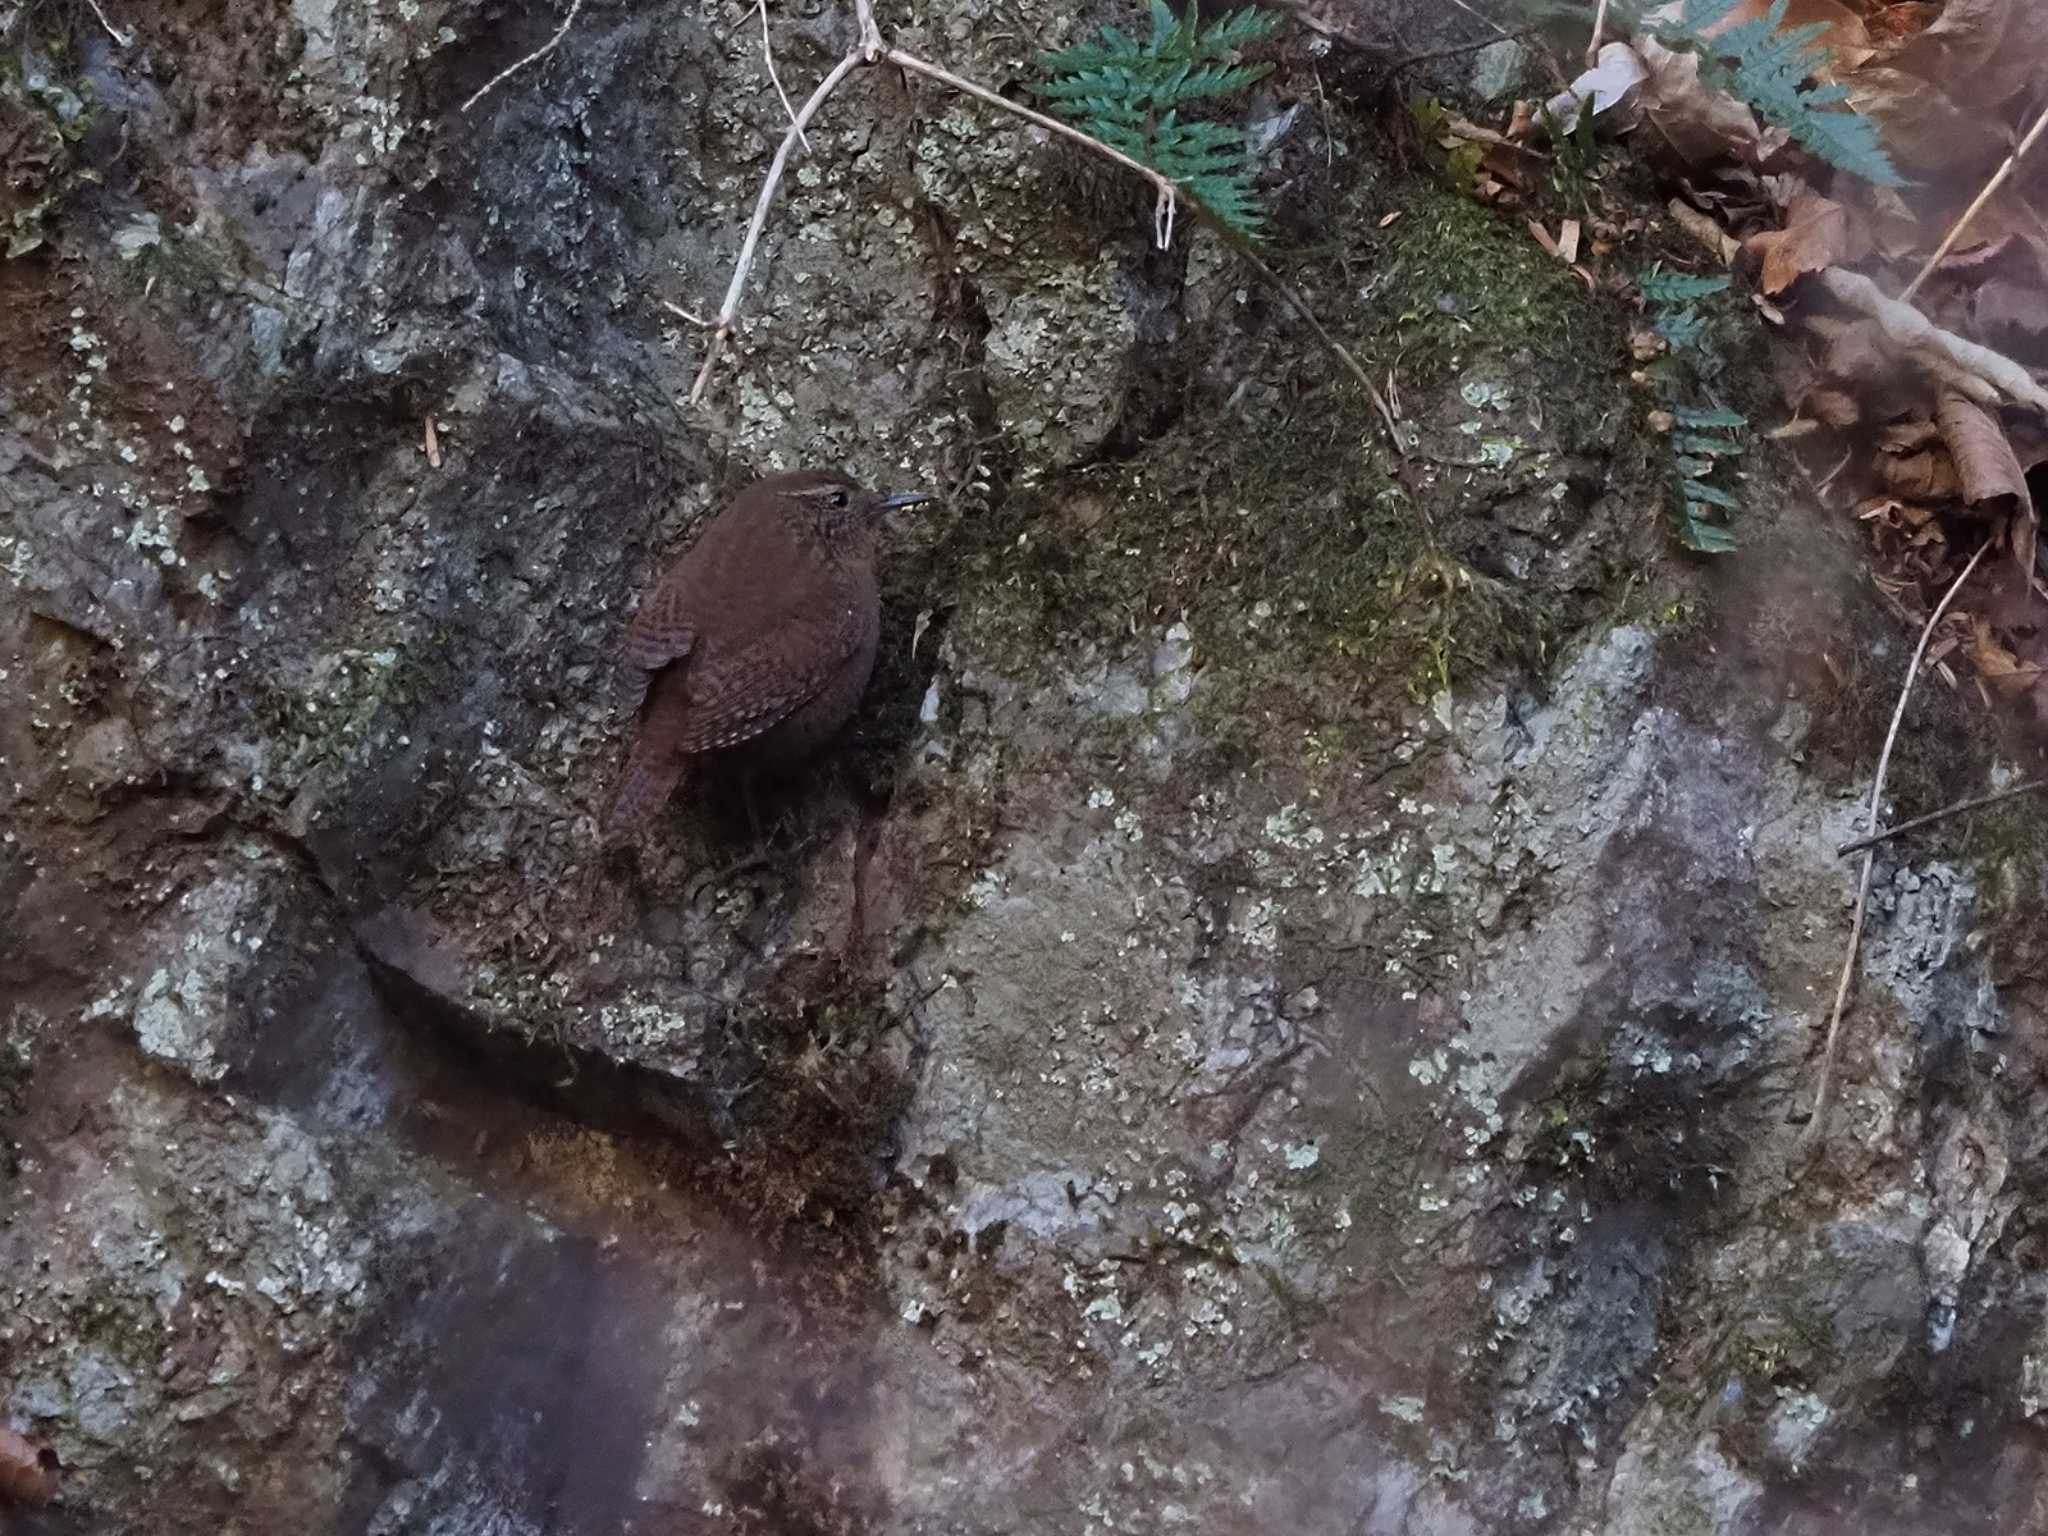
{"x":839,"y":498}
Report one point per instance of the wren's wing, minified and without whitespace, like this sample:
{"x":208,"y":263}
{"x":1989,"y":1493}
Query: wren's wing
{"x":659,"y":636}
{"x":760,"y":621}
{"x":748,"y":684}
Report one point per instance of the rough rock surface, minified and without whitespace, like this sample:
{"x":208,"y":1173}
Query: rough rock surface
{"x":1221,"y":1048}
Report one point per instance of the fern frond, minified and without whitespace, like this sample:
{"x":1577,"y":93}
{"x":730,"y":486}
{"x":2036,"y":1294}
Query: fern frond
{"x":1661,"y":287}
{"x":1766,"y":64}
{"x":1701,"y":419}
{"x":1130,"y":97}
{"x":1702,"y":14}
{"x":1711,"y":495}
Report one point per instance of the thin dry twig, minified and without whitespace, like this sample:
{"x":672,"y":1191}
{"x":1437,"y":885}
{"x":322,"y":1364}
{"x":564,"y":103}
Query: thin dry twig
{"x":546,"y":48}
{"x":1472,"y":10}
{"x":768,"y":53}
{"x":1335,"y":347}
{"x":1456,"y":49}
{"x":737,"y":286}
{"x":1824,"y":1095}
{"x":692,"y":316}
{"x":1978,"y":803}
{"x":121,"y":39}
{"x":1599,"y":35}
{"x":1998,"y":179}
{"x":870,"y":35}
{"x":1168,"y":192}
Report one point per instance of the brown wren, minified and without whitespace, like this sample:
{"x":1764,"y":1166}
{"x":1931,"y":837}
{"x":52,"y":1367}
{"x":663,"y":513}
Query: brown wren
{"x":759,"y":642}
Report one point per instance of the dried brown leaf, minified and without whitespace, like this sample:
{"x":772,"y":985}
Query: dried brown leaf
{"x":2023,"y":534}
{"x":1924,"y":127}
{"x":1818,"y":233}
{"x":1986,"y":466}
{"x":1836,"y":408}
{"x":1980,"y":51}
{"x":1928,"y":473}
{"x":28,"y":1471}
{"x":1846,"y":39}
{"x":1996,"y":664}
{"x":1699,"y":123}
{"x":1908,"y":436}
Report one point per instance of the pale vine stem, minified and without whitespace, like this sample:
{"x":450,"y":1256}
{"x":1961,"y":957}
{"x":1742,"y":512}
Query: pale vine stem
{"x":1599,"y":32}
{"x":546,"y":48}
{"x":1824,"y":1095}
{"x":1998,"y":179}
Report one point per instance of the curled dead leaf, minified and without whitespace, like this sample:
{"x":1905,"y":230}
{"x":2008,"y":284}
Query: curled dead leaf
{"x":1843,"y":35}
{"x":1924,"y":127}
{"x":28,"y":1471}
{"x":1818,"y":233}
{"x":1705,"y":230}
{"x":1928,"y":474}
{"x":1699,"y":123}
{"x":1836,"y":408}
{"x":1996,"y":664}
{"x":1908,"y":436}
{"x":1986,"y":466}
{"x":1981,"y":51}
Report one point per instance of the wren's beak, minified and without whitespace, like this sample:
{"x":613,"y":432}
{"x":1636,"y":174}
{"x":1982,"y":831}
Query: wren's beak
{"x":887,"y":506}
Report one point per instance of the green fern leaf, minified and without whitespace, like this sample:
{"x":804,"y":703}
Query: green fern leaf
{"x":1705,"y":538}
{"x":1711,"y":495}
{"x":1706,"y":419}
{"x":1661,"y":287}
{"x":1130,"y":96}
{"x":1766,"y":64}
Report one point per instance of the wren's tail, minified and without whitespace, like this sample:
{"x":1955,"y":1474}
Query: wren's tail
{"x":643,"y":789}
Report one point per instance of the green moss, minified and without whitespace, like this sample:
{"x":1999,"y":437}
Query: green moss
{"x":1453,"y":282}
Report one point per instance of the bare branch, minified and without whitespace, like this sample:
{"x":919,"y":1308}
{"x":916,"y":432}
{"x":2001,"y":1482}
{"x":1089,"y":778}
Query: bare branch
{"x":870,"y":35}
{"x":546,"y":48}
{"x":1823,"y":1097}
{"x":731,"y":306}
{"x":768,"y":53}
{"x":2032,"y":786}
{"x":1991,"y":187}
{"x":1599,"y":33}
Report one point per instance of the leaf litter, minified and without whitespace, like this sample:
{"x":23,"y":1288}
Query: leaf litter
{"x":1859,"y":165}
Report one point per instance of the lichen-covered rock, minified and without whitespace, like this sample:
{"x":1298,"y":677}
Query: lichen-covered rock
{"x":1290,"y":1010}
